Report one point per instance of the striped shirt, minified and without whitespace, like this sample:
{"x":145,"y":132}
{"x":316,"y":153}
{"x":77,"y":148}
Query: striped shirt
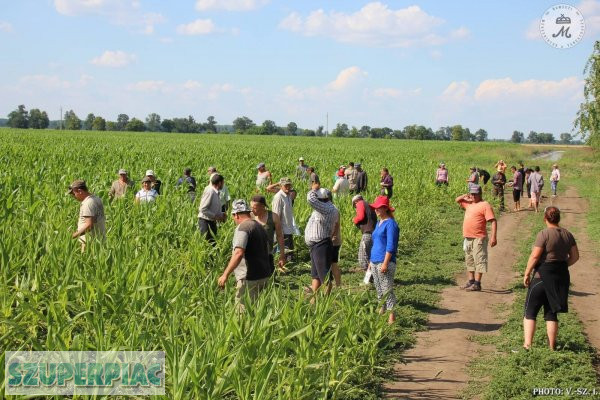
{"x":322,"y":220}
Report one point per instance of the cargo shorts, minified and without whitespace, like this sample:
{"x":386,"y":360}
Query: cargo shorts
{"x":476,"y":254}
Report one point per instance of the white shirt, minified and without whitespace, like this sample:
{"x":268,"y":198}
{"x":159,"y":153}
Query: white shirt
{"x":146,"y":196}
{"x":555,"y":175}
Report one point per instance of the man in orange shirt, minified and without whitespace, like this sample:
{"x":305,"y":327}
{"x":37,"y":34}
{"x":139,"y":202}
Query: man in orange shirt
{"x":477,"y":214}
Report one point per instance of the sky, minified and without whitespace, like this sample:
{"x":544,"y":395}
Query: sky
{"x":481,"y":64}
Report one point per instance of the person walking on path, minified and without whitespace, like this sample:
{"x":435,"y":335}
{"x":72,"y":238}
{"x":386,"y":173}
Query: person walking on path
{"x":526,"y":176}
{"x":364,"y":220}
{"x":342,"y":185}
{"x":119,"y":187}
{"x":517,"y":186}
{"x":92,"y":221}
{"x":223,"y":193}
{"x":554,"y":251}
{"x":536,"y":180}
{"x":282,"y":206}
{"x":387,"y":183}
{"x":499,"y":180}
{"x":210,"y":211}
{"x":361,"y":179}
{"x":351,"y":174}
{"x":441,"y":175}
{"x":249,"y":261}
{"x":263,"y":176}
{"x":383,"y":254}
{"x":190,"y":181}
{"x":156,"y":184}
{"x":271,"y":223}
{"x":146,"y":194}
{"x":301,"y":169}
{"x":318,"y":234}
{"x":478,"y":213}
{"x":473,"y":179}
{"x":554,"y":178}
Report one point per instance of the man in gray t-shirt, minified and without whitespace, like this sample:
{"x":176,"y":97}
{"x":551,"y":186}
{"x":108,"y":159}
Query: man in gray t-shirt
{"x":92,"y":222}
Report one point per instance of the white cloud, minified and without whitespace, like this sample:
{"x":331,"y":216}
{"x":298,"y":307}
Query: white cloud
{"x":53,"y":82}
{"x":229,"y":5}
{"x":147,"y":86}
{"x":197,"y":27}
{"x":533,"y":32}
{"x":346,"y":77}
{"x":395,"y":93}
{"x":456,"y":92}
{"x":375,"y":24}
{"x":6,"y":27}
{"x":114,"y":59}
{"x":118,"y":12}
{"x":506,"y":88}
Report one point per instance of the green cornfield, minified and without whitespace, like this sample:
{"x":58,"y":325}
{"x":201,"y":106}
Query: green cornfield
{"x":153,"y":284}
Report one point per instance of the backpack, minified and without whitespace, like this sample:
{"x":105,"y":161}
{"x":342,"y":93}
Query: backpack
{"x":484,"y":175}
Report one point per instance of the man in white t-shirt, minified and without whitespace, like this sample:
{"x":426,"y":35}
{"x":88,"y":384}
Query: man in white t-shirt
{"x":92,"y":222}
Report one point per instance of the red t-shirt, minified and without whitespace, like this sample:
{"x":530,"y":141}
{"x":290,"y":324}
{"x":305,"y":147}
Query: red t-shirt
{"x":476,"y":217}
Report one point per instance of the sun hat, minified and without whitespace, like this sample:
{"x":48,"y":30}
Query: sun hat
{"x":381,"y":201}
{"x":239,"y":206}
{"x":149,"y":173}
{"x":260,"y":165}
{"x":285,"y":181}
{"x":122,"y":172}
{"x":475,"y":189}
{"x":322,"y":194}
{"x":77,"y":184}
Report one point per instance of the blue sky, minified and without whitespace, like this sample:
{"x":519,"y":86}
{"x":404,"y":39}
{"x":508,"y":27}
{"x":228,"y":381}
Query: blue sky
{"x":382,"y":63}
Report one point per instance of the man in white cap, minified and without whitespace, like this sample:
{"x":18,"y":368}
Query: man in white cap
{"x":211,"y":209}
{"x":301,"y":169}
{"x":91,"y":214}
{"x":250,"y":259}
{"x":155,"y":182}
{"x":119,"y":187}
{"x":318,"y":233}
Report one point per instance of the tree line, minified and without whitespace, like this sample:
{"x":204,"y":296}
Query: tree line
{"x":36,"y":119}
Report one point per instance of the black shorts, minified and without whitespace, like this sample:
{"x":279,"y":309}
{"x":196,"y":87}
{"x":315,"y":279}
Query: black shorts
{"x":516,"y":195}
{"x":320,"y":259}
{"x":335,"y":255}
{"x":536,"y":298}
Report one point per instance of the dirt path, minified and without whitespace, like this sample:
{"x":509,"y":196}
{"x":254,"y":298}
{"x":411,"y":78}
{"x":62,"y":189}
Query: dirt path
{"x":585,"y":274}
{"x":435,"y":367}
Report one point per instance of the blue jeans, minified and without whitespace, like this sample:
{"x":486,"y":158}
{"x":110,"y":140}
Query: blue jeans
{"x":553,"y":185}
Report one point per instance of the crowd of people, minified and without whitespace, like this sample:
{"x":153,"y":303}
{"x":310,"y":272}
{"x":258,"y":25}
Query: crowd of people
{"x":261,"y":232}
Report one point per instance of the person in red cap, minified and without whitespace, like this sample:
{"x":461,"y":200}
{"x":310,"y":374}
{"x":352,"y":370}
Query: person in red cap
{"x":383,"y":253}
{"x":341,"y":185}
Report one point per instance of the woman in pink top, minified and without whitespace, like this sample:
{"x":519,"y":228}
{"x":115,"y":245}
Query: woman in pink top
{"x":441,"y":175}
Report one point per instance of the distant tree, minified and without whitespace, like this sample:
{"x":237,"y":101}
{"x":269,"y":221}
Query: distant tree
{"x":364,"y":131}
{"x":354,"y":132}
{"x":533,"y":137}
{"x":18,"y":118}
{"x":587,"y":122}
{"x":211,"y":124}
{"x":186,"y":125}
{"x":99,"y":124}
{"x":341,"y":130}
{"x":89,"y":121}
{"x":481,"y":135}
{"x":458,"y":133}
{"x":122,"y":120}
{"x":517,"y":137}
{"x":167,"y":125}
{"x":38,"y":119}
{"x":319,"y":131}
{"x":153,"y":122}
{"x":135,"y":125}
{"x":242,"y":124}
{"x":566,"y":138}
{"x":468,"y":136}
{"x":398,"y":134}
{"x":444,"y":133}
{"x":292,"y":128}
{"x":546,"y":138}
{"x":309,"y":132}
{"x":111,"y":126}
{"x":72,"y":121}
{"x":269,"y":127}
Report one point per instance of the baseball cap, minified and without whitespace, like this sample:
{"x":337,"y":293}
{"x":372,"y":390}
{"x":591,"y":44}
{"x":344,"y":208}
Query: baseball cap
{"x":212,"y":169}
{"x":301,"y":159}
{"x":122,"y":172}
{"x":260,"y":165}
{"x":358,"y":165}
{"x":77,"y":184}
{"x":382,"y":201}
{"x":322,"y":194}
{"x":239,"y":206}
{"x":146,"y":179}
{"x":475,"y":189}
{"x":285,"y":181}
{"x":149,"y":173}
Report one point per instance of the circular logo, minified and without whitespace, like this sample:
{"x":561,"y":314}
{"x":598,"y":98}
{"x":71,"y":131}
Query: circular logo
{"x":562,"y":26}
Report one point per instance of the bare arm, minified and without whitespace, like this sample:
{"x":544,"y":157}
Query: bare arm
{"x":89,"y":222}
{"x":463,"y":198}
{"x":534,"y":258}
{"x":236,"y":258}
{"x":493,"y":239}
{"x":279,"y":236}
{"x":573,"y":256}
